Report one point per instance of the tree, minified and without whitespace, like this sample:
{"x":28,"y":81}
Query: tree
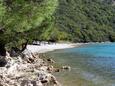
{"x":20,"y":16}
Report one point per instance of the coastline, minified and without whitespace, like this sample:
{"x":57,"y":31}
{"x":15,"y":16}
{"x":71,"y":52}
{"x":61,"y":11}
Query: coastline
{"x":47,"y":48}
{"x":34,"y":66}
{"x":64,"y":57}
{"x":52,"y":47}
{"x":31,"y":67}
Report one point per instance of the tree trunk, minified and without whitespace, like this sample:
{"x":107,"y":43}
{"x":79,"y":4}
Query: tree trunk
{"x":2,"y":50}
{"x":16,"y":51}
{"x":24,"y":46}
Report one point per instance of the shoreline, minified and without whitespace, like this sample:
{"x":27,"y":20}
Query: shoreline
{"x":52,"y":47}
{"x":61,"y":77}
{"x":31,"y":67}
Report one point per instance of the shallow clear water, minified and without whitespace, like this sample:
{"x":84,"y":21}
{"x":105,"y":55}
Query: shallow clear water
{"x":92,"y":65}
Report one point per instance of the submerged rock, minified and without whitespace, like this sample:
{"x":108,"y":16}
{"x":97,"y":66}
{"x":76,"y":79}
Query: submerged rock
{"x":50,"y":60}
{"x":66,"y":67}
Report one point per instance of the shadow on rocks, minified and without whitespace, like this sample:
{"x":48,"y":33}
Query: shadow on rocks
{"x":3,"y":61}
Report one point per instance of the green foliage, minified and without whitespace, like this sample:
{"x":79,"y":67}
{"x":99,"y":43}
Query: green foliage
{"x":86,"y":20}
{"x":2,"y":10}
{"x":24,"y":15}
{"x":17,"y":17}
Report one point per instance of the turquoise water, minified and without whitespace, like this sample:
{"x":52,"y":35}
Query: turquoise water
{"x":93,"y":63}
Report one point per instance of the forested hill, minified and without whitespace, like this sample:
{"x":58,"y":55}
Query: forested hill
{"x":86,"y":20}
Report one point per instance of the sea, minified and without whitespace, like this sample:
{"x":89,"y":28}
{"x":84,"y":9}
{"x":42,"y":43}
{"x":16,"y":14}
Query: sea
{"x":91,"y":64}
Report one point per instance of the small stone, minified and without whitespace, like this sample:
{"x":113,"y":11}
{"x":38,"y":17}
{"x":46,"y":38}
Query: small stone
{"x":57,"y":70}
{"x":66,"y":67}
{"x":50,"y":60}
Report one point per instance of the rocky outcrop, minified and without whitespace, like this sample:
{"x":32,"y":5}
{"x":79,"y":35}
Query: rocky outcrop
{"x":27,"y":70}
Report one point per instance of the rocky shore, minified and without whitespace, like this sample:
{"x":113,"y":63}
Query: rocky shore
{"x":31,"y":68}
{"x":27,"y":70}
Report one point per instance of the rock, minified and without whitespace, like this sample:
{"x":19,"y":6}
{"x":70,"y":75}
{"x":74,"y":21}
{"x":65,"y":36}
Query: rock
{"x":54,"y":81}
{"x":25,"y":83}
{"x":1,"y":84}
{"x":18,"y":72}
{"x":38,"y":83}
{"x":50,"y":60}
{"x":56,"y":70}
{"x":66,"y":67}
{"x":31,"y":60}
{"x":43,"y":68}
{"x":44,"y":81}
{"x":50,"y":68}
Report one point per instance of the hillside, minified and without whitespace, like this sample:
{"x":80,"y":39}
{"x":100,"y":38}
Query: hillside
{"x":86,"y":20}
